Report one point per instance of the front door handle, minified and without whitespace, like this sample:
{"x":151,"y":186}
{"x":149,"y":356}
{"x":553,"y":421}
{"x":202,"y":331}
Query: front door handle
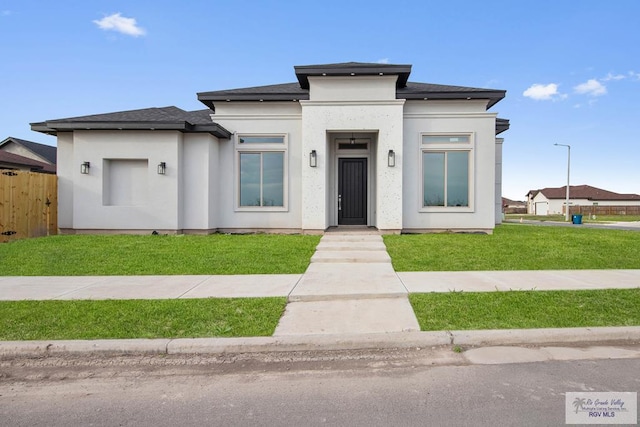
{"x":339,"y":202}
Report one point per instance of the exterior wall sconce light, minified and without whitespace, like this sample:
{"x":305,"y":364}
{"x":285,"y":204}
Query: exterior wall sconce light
{"x":313,"y":159}
{"x":162,"y":168}
{"x":84,"y":168}
{"x":391,"y":160}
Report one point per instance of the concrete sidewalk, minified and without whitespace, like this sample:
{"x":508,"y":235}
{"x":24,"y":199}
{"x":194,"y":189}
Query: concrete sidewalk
{"x":13,"y":288}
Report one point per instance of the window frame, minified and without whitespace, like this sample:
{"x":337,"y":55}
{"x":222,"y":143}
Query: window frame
{"x":448,"y":147}
{"x":261,"y":148}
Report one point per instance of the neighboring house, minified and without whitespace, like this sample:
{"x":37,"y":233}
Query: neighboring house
{"x":513,"y":206}
{"x":32,"y":150}
{"x":17,"y":162}
{"x":551,"y":201}
{"x":347,"y":144}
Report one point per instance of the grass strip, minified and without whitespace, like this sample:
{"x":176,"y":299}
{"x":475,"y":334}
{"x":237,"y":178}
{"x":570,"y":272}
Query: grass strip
{"x":516,"y":247}
{"x":110,"y":255}
{"x":526,"y":309}
{"x":110,"y":319}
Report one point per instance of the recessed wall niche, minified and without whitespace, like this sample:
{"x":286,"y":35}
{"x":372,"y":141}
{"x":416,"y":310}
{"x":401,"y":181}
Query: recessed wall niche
{"x":125,"y":182}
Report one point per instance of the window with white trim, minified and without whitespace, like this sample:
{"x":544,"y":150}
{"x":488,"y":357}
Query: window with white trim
{"x":261,"y":171}
{"x":446,"y":171}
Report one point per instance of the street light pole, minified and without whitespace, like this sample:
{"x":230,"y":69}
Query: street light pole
{"x":568,"y":175}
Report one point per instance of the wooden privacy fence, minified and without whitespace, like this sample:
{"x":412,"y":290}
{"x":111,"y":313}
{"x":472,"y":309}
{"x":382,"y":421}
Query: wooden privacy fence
{"x":604,"y":210}
{"x":28,"y":204}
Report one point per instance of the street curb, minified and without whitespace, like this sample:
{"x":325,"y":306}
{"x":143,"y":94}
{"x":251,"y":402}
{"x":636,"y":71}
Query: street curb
{"x":546,"y":336}
{"x":629,"y":334}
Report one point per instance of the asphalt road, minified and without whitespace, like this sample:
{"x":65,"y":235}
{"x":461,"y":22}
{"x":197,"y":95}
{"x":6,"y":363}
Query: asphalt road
{"x":432,"y":387}
{"x":628,"y":226}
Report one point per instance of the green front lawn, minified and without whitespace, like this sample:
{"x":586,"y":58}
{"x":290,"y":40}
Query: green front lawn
{"x":109,"y":255}
{"x":526,"y":309}
{"x":517,"y":247}
{"x":175,"y":318}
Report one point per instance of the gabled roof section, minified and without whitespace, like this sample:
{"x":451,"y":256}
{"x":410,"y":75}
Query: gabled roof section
{"x":15,"y":160}
{"x":584,"y":192}
{"x":303,"y":72}
{"x":46,"y":152}
{"x":166,"y":118}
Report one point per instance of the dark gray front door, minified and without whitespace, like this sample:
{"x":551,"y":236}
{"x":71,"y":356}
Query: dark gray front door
{"x":352,"y":191}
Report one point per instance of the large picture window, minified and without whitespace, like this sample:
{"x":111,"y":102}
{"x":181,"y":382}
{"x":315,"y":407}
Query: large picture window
{"x":262,"y":171}
{"x":446,"y":171}
{"x":445,"y":178}
{"x":262,"y":179}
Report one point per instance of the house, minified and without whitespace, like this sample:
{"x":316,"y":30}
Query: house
{"x":513,"y":206}
{"x":19,"y":154}
{"x":552,"y":201}
{"x":346,"y":144}
{"x":32,"y":150}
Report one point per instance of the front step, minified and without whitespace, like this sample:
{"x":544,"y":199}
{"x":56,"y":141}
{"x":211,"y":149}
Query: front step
{"x":350,"y":246}
{"x":351,"y":256}
{"x":351,"y":238}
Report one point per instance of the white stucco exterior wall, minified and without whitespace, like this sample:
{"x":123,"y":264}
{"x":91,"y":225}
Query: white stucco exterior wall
{"x":65,"y":167}
{"x":352,"y":104}
{"x":498,"y":195}
{"x":159,"y":209}
{"x":450,"y":117}
{"x":200,"y":182}
{"x":259,"y":118}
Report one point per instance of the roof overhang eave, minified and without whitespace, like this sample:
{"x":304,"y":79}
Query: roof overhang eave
{"x":52,"y":128}
{"x":502,"y":125}
{"x":493,"y":96}
{"x":43,"y":128}
{"x":303,"y":72}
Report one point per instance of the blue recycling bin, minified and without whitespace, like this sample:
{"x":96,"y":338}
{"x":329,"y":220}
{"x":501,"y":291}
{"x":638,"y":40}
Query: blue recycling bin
{"x":577,"y":219}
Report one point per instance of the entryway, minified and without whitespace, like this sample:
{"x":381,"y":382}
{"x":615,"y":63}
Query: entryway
{"x":352,"y":191}
{"x":351,"y":184}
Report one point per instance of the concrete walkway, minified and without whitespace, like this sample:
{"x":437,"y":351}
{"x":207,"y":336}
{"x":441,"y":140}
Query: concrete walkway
{"x":349,"y":287}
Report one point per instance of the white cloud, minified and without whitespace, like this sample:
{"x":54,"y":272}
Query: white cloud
{"x":383,"y":61}
{"x":119,"y":23}
{"x":591,"y":87}
{"x":634,"y":75}
{"x":541,"y":92}
{"x":612,"y":76}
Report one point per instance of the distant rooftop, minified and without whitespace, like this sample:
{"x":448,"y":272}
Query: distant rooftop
{"x":583,"y":192}
{"x":45,"y":151}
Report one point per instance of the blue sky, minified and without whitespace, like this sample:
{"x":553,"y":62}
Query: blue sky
{"x":571,"y":68}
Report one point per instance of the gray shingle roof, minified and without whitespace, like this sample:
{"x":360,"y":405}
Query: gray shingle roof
{"x":300,"y":90}
{"x":165,"y":118}
{"x":16,"y":160}
{"x":45,"y":151}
